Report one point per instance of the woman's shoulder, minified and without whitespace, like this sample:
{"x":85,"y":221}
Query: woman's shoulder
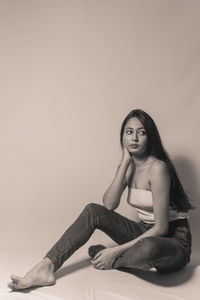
{"x":159,"y":173}
{"x":159,"y":166}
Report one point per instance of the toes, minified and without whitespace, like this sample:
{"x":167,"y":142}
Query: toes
{"x":17,"y":282}
{"x":12,"y":285}
{"x":15,"y":278}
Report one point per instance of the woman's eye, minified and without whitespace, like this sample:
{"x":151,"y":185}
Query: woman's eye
{"x":142,"y":133}
{"x":128,"y":132}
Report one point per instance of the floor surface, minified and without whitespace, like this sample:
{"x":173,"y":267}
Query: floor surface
{"x":78,"y":280}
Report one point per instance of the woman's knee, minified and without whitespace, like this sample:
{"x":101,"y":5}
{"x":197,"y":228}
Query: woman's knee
{"x":94,"y":208}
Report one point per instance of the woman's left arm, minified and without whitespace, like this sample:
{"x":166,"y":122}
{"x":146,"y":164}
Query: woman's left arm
{"x":160,"y":185}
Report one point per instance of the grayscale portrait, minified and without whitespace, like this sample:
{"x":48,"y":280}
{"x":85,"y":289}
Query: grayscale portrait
{"x":99,"y":131}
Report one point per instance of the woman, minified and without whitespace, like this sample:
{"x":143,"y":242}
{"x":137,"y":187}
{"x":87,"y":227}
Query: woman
{"x":161,"y":239}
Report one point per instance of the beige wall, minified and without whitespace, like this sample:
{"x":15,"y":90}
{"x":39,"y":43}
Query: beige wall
{"x":70,"y":72}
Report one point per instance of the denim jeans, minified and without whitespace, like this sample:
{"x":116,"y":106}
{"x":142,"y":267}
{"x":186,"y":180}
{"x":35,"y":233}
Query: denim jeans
{"x":167,"y":254}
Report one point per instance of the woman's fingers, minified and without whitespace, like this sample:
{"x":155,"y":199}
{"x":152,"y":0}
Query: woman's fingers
{"x":97,"y":256}
{"x":99,"y":266}
{"x":96,"y":261}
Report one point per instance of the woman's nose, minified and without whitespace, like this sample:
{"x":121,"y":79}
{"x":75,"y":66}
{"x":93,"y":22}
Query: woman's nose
{"x":135,"y":137}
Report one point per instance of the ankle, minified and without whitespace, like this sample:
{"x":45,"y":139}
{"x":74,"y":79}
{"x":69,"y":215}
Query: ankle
{"x":48,"y":262}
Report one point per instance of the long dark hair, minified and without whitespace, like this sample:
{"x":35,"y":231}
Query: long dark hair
{"x":179,"y":200}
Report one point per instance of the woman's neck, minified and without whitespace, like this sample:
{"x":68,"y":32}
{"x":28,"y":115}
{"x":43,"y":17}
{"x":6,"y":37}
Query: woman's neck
{"x":140,"y":161}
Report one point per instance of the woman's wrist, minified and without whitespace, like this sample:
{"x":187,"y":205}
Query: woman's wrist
{"x":125,"y":162}
{"x":118,"y":250}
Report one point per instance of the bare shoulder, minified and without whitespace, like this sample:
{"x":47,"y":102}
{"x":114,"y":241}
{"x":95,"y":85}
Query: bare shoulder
{"x":159,"y":175}
{"x":159,"y":167}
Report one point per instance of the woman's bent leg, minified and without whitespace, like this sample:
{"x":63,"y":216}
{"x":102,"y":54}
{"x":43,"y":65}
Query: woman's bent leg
{"x":164,"y":254}
{"x":94,"y":216}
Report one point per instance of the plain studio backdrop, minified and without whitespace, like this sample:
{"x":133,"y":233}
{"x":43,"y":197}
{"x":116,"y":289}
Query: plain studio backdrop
{"x":70,"y":72}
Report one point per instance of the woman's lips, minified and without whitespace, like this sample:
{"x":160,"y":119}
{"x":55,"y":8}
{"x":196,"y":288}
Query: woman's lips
{"x":134,"y":145}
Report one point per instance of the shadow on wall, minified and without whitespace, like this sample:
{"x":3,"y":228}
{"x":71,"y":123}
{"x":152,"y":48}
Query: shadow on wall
{"x":189,"y":177}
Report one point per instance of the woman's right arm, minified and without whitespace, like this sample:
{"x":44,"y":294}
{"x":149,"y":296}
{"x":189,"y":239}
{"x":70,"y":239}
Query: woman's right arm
{"x":112,"y":196}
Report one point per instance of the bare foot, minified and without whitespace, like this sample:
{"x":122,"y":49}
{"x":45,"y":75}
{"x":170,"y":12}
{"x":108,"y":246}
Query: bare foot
{"x":42,"y":274}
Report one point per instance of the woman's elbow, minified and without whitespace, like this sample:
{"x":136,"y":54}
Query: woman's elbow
{"x":162,"y":230}
{"x":109,"y":207}
{"x":109,"y":204}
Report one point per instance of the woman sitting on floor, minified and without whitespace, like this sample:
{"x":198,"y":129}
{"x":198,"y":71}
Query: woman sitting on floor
{"x":161,"y":239}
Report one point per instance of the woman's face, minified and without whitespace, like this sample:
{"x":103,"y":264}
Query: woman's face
{"x":134,"y":137}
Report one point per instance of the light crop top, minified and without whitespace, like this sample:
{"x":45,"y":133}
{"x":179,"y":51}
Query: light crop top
{"x":142,"y":200}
